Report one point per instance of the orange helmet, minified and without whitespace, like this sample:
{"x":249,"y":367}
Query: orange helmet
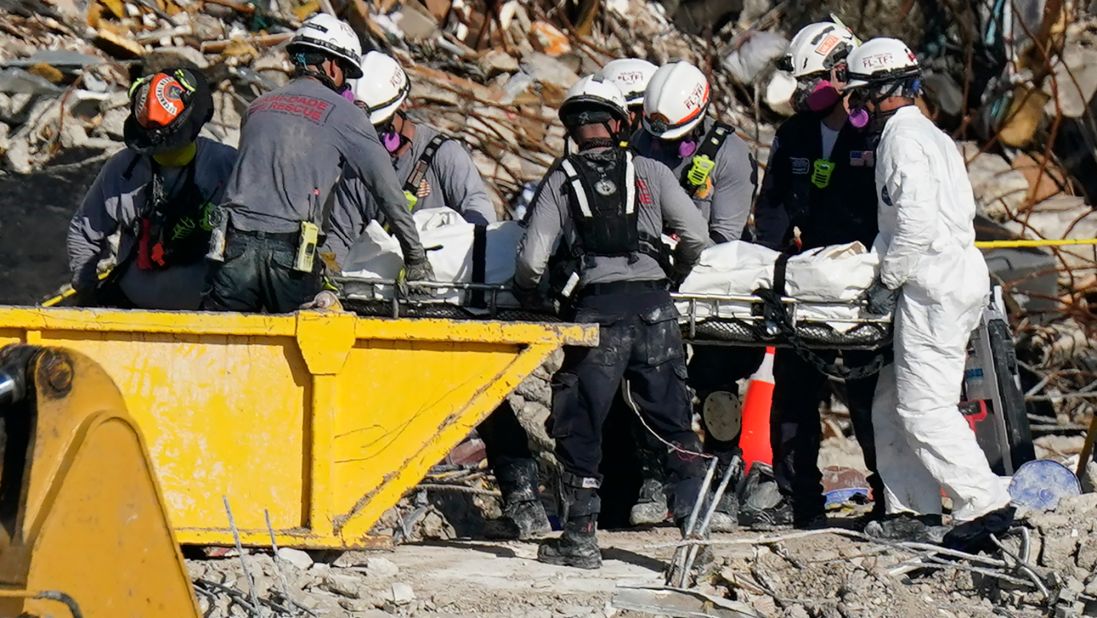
{"x":167,"y":110}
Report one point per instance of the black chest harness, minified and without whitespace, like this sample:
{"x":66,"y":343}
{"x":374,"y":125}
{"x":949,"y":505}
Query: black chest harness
{"x":604,"y":200}
{"x":695,"y":177}
{"x":174,"y":226}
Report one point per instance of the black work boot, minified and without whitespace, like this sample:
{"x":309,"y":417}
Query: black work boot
{"x":651,"y":507}
{"x":523,"y":514}
{"x":577,"y":546}
{"x":907,"y":527}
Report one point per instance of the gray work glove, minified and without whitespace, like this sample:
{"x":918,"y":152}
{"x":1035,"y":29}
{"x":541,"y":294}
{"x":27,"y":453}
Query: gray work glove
{"x":325,"y":300}
{"x":880,"y":298}
{"x":413,"y":271}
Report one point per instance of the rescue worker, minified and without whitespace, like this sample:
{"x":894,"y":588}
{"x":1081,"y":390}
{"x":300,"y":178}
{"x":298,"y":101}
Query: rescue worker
{"x":159,"y":193}
{"x":436,"y":171}
{"x":935,"y":280}
{"x":296,"y":142}
{"x":819,"y":190}
{"x":632,"y":76}
{"x":718,"y":171}
{"x":607,"y":207}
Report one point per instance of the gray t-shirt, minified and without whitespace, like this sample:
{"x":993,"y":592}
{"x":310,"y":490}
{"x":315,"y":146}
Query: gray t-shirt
{"x":727,"y":207}
{"x":663,"y":205}
{"x":452,"y":180}
{"x":295,"y":144}
{"x":116,"y":200}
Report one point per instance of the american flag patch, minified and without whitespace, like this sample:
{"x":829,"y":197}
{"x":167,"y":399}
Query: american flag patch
{"x":862,"y":158}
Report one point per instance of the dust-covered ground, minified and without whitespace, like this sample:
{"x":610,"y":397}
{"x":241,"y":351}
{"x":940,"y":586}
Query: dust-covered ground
{"x":36,"y":211}
{"x":825,"y":575}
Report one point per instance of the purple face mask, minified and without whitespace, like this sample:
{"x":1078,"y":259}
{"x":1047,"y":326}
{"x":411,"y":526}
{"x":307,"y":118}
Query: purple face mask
{"x":348,"y":94}
{"x":859,"y":117}
{"x":686,"y":148}
{"x":823,"y":96}
{"x":391,"y":140}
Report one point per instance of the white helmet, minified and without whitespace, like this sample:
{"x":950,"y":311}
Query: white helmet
{"x":589,"y":96}
{"x":675,"y":100}
{"x":631,"y":75}
{"x":880,"y":62}
{"x":327,"y":34}
{"x":384,"y":87}
{"x":817,"y":48}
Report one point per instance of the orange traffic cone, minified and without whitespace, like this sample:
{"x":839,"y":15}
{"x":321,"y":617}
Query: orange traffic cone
{"x":754,"y":439}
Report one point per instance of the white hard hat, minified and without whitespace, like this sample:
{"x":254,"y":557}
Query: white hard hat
{"x":327,"y":34}
{"x":590,"y":94}
{"x":880,"y":61}
{"x":384,"y":86}
{"x":675,"y":100}
{"x":816,"y":48}
{"x":631,"y":75}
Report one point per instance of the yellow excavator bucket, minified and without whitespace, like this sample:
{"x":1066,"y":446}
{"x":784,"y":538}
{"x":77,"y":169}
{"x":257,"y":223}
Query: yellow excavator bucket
{"x":322,"y":419}
{"x":83,"y":528}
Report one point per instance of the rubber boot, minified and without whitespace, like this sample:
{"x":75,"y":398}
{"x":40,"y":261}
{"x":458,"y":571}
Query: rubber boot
{"x":523,"y":514}
{"x":577,"y":545}
{"x":651,"y":507}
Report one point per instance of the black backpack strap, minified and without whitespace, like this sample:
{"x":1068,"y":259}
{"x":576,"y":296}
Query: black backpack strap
{"x":419,"y":172}
{"x":479,"y":261}
{"x":714,"y":140}
{"x":694,"y":176}
{"x":780,"y":274}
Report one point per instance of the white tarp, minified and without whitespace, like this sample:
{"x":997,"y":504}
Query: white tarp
{"x":448,"y":239}
{"x":827,"y":280}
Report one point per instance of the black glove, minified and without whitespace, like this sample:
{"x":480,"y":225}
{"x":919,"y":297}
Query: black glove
{"x":880,"y":298}
{"x":529,"y":298}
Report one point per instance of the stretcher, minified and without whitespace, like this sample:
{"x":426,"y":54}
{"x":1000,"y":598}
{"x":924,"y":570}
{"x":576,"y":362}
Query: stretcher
{"x":706,"y":319}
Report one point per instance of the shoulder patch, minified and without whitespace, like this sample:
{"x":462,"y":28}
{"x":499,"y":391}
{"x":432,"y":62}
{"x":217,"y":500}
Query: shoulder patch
{"x":643,"y":193}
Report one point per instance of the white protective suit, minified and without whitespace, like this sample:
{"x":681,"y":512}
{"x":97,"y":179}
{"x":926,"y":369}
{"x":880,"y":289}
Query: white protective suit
{"x":927,"y":244}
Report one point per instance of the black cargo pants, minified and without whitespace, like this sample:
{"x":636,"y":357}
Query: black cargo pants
{"x":640,"y":341}
{"x":796,"y":429}
{"x":258,"y":275}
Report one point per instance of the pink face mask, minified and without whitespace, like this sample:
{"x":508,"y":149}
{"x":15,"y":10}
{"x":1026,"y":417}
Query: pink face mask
{"x":823,"y":96}
{"x":348,"y":94}
{"x":686,"y":148}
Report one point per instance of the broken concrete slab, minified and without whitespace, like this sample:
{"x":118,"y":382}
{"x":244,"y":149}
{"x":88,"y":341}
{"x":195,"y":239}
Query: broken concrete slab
{"x":296,"y":557}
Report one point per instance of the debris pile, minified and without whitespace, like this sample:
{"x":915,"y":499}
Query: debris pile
{"x":1047,"y":567}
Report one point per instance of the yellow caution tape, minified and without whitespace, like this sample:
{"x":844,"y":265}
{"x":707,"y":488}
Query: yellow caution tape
{"x":1016,"y":244}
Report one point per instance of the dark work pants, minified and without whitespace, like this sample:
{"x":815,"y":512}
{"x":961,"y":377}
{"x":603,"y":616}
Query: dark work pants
{"x":796,"y":429}
{"x":507,"y":448}
{"x":639,"y":341}
{"x":257,"y":275}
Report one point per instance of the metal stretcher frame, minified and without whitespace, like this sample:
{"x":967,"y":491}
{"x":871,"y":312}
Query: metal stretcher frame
{"x":869,"y":333}
{"x":724,"y":326}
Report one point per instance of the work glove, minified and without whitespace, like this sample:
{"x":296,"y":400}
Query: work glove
{"x":880,"y":298}
{"x":418,"y":270}
{"x":679,"y":270}
{"x":326,"y":300}
{"x":531,"y":299}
